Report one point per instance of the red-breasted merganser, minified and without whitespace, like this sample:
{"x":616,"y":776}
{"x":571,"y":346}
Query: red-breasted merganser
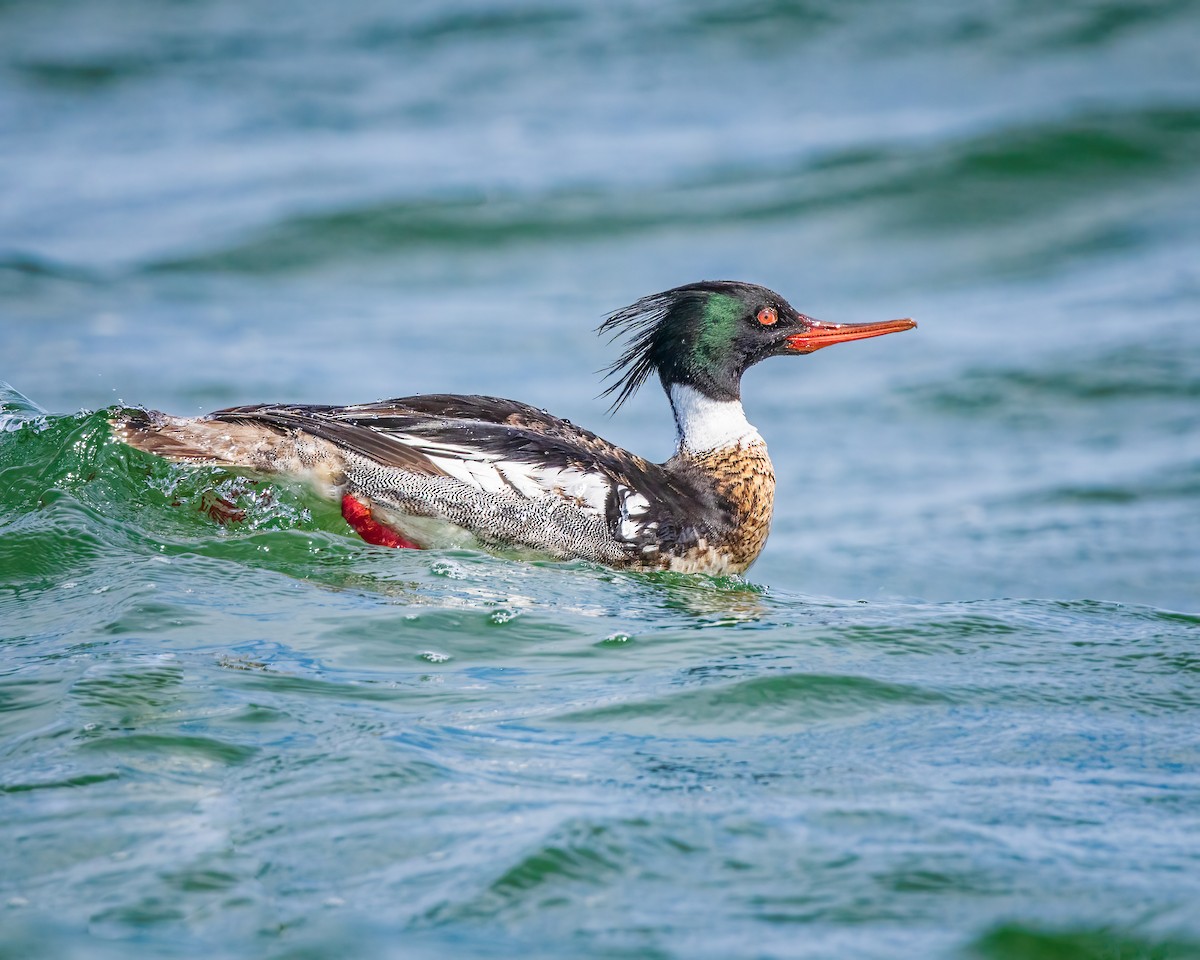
{"x":439,"y":470}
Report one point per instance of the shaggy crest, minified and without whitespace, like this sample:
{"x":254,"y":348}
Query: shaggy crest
{"x":648,"y":333}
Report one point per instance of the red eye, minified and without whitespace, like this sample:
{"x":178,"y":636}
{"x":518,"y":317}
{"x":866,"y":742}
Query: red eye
{"x":767,"y":316}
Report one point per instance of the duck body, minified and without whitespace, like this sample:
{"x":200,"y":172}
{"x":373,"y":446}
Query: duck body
{"x":442,"y":470}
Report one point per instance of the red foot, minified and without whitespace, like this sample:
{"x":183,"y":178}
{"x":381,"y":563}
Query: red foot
{"x":358,"y":515}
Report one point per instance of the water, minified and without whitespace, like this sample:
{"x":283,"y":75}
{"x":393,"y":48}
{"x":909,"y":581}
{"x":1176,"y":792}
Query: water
{"x":953,"y":711}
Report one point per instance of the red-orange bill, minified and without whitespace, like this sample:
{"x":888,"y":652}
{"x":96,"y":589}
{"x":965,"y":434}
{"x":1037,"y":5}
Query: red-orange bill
{"x":821,"y":334}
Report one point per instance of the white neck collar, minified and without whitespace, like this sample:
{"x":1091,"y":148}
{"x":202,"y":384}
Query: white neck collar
{"x":705,"y":424}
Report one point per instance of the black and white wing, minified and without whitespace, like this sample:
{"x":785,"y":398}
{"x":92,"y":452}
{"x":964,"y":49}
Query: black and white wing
{"x":507,"y":472}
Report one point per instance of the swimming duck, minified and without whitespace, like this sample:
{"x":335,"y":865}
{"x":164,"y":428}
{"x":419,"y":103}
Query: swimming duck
{"x":440,"y":470}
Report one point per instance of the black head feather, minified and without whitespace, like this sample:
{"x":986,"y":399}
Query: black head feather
{"x":702,"y":334}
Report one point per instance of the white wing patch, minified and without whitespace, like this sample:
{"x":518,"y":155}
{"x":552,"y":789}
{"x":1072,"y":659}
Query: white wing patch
{"x":491,"y":473}
{"x":634,"y":508}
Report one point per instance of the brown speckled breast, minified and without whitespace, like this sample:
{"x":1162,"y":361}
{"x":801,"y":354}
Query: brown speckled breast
{"x":742,"y":476}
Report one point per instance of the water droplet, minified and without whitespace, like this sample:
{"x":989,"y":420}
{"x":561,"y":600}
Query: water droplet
{"x":503,"y":615}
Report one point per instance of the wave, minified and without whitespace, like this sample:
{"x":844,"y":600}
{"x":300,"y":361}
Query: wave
{"x":1019,"y":941}
{"x":22,"y":266}
{"x":763,"y":703}
{"x":1145,"y":373}
{"x":76,"y":504}
{"x":1025,"y":176}
{"x":1003,"y":29}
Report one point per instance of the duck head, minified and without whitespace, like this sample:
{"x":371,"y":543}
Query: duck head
{"x":706,"y":335}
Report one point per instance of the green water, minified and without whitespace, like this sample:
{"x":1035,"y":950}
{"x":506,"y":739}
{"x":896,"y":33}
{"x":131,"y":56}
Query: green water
{"x":954,"y":709}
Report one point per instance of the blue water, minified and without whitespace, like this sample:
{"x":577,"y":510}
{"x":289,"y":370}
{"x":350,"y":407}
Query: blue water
{"x":954,"y":709}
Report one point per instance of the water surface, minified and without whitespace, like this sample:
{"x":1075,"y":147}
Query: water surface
{"x":953,"y":711}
